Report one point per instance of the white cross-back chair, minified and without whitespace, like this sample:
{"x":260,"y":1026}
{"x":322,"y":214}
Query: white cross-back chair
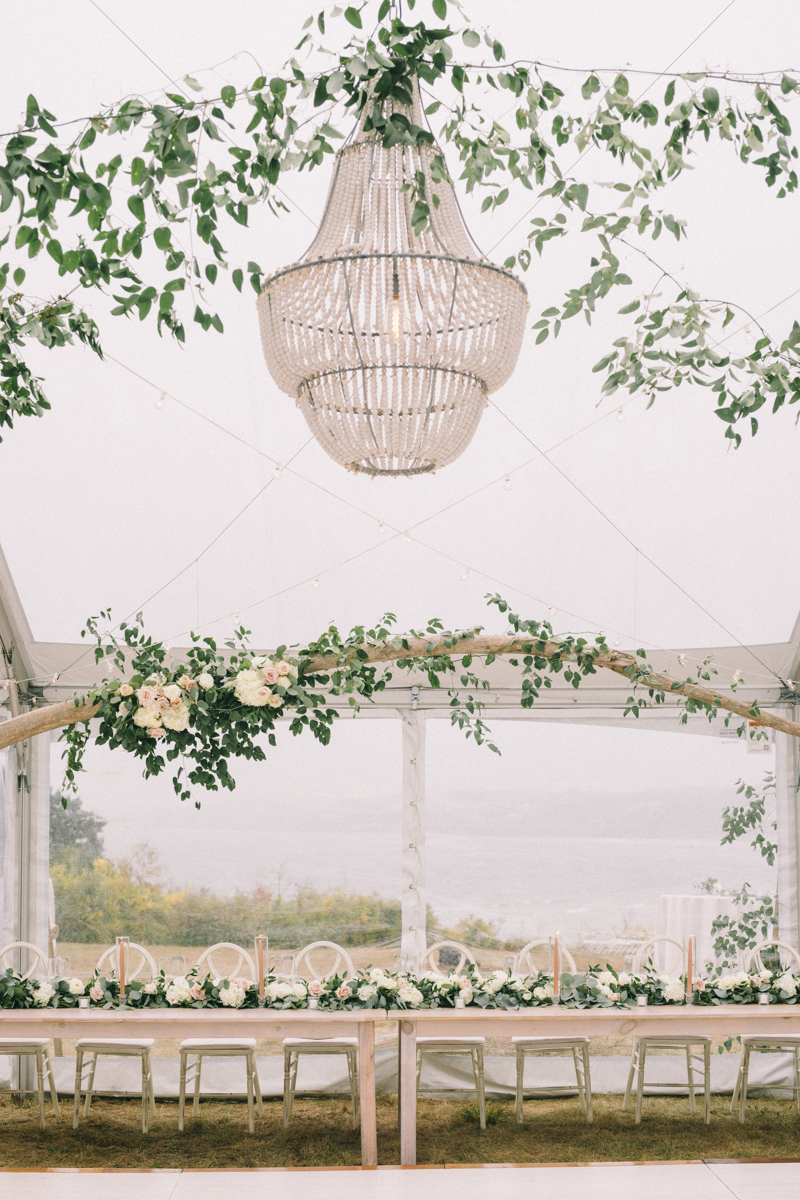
{"x":294,"y":1047}
{"x":304,"y":961}
{"x":473,"y":1046}
{"x":578,"y":1047}
{"x":524,"y":964}
{"x":145,"y":959}
{"x":38,"y":1048}
{"x":219,"y":972}
{"x":641,"y":1045}
{"x":38,"y":956}
{"x":757,"y":1043}
{"x":753,"y":960}
{"x":118,"y":1048}
{"x":429,"y":960}
{"x":674,"y":964}
{"x":200,"y":1048}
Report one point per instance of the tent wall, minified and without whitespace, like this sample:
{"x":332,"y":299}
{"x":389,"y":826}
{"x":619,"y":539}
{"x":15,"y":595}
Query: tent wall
{"x":413,"y":901}
{"x":787,"y":753}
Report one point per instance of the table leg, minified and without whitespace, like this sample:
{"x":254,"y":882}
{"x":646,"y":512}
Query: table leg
{"x":408,"y":1094}
{"x":366,"y":1087}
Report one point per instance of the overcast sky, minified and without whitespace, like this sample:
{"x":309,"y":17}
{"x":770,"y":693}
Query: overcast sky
{"x":109,"y":496}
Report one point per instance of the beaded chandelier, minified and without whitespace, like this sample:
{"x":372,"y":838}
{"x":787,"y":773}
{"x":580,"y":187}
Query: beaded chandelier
{"x":390,"y":342}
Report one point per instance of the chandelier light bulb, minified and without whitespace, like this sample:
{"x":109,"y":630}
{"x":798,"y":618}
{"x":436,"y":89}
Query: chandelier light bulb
{"x":390,"y":340}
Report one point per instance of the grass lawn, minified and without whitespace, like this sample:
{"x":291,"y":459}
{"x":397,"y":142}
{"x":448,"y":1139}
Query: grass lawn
{"x":448,"y":1131}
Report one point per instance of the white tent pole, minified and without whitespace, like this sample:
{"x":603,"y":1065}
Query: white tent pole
{"x":413,"y":908}
{"x":787,"y":777}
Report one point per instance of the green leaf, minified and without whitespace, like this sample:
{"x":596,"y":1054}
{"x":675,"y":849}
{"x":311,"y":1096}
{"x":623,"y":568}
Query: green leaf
{"x":711,"y":99}
{"x":384,"y":8}
{"x":470,"y":38}
{"x":591,"y":86}
{"x":353,"y":16}
{"x":238,"y":278}
{"x":669,"y":94}
{"x":440,"y":8}
{"x":19,"y":275}
{"x":228,"y":95}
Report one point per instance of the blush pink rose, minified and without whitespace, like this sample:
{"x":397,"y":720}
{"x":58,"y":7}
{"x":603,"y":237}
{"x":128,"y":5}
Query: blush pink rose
{"x":176,"y":703}
{"x":344,"y":991}
{"x":315,"y":987}
{"x":242,"y":983}
{"x":196,"y":992}
{"x":263,"y":693}
{"x":145,"y":695}
{"x":157,"y":733}
{"x":96,"y":993}
{"x":271,"y":675}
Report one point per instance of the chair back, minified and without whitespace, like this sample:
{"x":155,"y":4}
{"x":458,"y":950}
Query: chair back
{"x":645,"y":951}
{"x":218,"y":971}
{"x":753,"y":958}
{"x":145,"y":960}
{"x":428,"y":961}
{"x":37,"y":955}
{"x":303,"y":964}
{"x":523,"y":962}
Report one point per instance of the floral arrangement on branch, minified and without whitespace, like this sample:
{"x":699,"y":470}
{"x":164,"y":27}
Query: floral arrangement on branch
{"x":780,"y":986}
{"x":210,"y":705}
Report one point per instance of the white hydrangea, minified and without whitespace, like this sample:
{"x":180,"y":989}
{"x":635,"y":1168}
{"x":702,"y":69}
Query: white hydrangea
{"x":178,"y":991}
{"x":76,"y":987}
{"x":151,"y":988}
{"x":232,"y":996}
{"x":410,"y":995}
{"x":249,"y":688}
{"x":728,"y":982}
{"x":605,"y":978}
{"x":279,"y":990}
{"x":43,"y":995}
{"x":176,"y":718}
{"x":787,"y":983}
{"x":543,"y":993}
{"x":674,"y":990}
{"x":366,"y":991}
{"x":147,"y":717}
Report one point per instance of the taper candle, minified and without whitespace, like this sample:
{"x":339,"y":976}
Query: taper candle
{"x":689,"y":973}
{"x":260,"y":939}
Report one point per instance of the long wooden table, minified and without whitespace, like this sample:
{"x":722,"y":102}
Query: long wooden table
{"x":716,"y":1020}
{"x":183,"y":1023}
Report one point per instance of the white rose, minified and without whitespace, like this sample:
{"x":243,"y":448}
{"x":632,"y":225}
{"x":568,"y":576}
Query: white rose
{"x":408,"y":994}
{"x":76,"y":987}
{"x":300,"y":990}
{"x":172,"y":691}
{"x":43,"y":994}
{"x":787,"y":983}
{"x":526,"y":995}
{"x":148,"y":717}
{"x":205,"y":680}
{"x":604,"y":977}
{"x":151,"y":988}
{"x":284,"y":668}
{"x":544,"y":993}
{"x":366,"y":991}
{"x":623,"y":979}
{"x":232,"y":996}
{"x":466,"y":994}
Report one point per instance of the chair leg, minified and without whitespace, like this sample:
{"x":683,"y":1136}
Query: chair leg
{"x":743,"y":1085}
{"x":477,"y":1068}
{"x":291,"y":1062}
{"x":797,"y":1076}
{"x":78,"y":1081}
{"x":690,"y":1079}
{"x":250,"y":1088}
{"x":707,"y":1082}
{"x":198,"y":1066}
{"x":40,"y":1084}
{"x":576,"y":1062}
{"x":587,"y":1085}
{"x":629,"y":1086}
{"x":352,"y":1068}
{"x":90,"y":1085}
{"x":145,"y":1095}
{"x":182,"y":1093}
{"x":737,"y":1084}
{"x":520,"y":1078}
{"x":257,"y":1086}
{"x":640,"y":1081}
{"x":53,"y":1091}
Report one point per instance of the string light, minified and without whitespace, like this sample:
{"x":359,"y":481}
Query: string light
{"x":276,"y":474}
{"x":408,"y":538}
{"x":550,"y":609}
{"x":381,"y":527}
{"x":55,"y":678}
{"x":617,"y":640}
{"x":315,"y":585}
{"x":682,"y":659}
{"x":620,"y":415}
{"x":160,"y":402}
{"x":737,"y":675}
{"x":507,"y":484}
{"x":237,"y":617}
{"x":464,"y":575}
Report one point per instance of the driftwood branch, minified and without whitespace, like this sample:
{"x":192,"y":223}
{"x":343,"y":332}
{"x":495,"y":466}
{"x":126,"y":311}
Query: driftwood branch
{"x":57,"y":715}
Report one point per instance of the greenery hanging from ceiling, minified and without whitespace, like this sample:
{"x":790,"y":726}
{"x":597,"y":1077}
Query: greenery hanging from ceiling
{"x":190,"y":162}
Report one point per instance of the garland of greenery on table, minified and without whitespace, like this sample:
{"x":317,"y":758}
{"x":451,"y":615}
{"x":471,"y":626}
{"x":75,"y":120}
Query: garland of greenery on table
{"x":374,"y":987}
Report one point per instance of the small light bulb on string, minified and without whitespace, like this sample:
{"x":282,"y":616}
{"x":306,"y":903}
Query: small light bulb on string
{"x":737,"y":675}
{"x":54,"y":679}
{"x":620,"y":415}
{"x":507,"y":484}
{"x":161,"y":401}
{"x":464,"y":576}
{"x":792,"y":685}
{"x":168,"y":650}
{"x":617,"y":640}
{"x":315,"y":585}
{"x":550,"y":609}
{"x":237,"y":618}
{"x":381,"y":527}
{"x":408,"y":538}
{"x":682,"y":659}
{"x":748,"y":336}
{"x":276,"y":473}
